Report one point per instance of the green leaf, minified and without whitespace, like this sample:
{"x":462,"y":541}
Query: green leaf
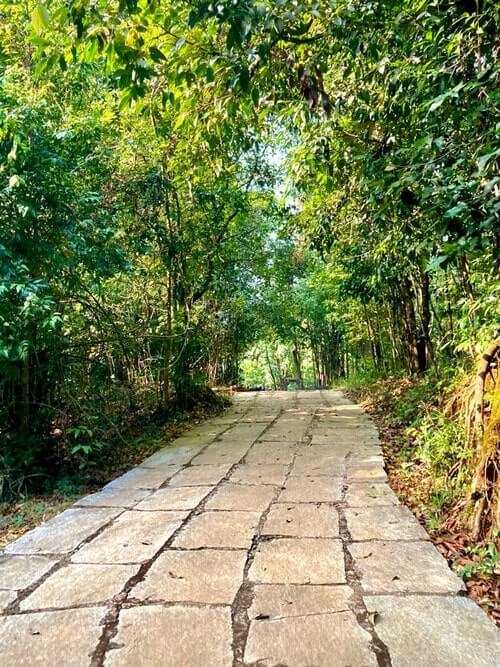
{"x":40,"y":17}
{"x":156,"y":55}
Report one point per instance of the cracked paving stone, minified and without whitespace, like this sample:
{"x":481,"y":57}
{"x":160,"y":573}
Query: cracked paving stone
{"x":133,"y":538}
{"x":170,"y":455}
{"x":55,"y":638}
{"x":231,"y":529}
{"x":298,"y":520}
{"x":368,"y":494}
{"x":383,"y":523}
{"x":247,"y":473}
{"x":366,"y":471}
{"x":305,"y":625}
{"x":200,"y":475}
{"x":143,"y":478}
{"x":18,"y":572}
{"x":435,"y":630}
{"x":208,"y":576}
{"x":80,"y":584}
{"x":176,"y":637}
{"x":274,"y":601}
{"x":311,"y":490}
{"x":292,"y":608}
{"x":64,"y":532}
{"x":175,"y":498}
{"x":403,"y":567}
{"x":114,"y":497}
{"x":6,"y":597}
{"x":220,"y":454}
{"x":298,"y":561}
{"x":241,"y":497}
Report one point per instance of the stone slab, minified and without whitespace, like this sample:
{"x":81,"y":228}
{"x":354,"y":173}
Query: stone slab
{"x":143,"y":478}
{"x":175,"y":498}
{"x":302,"y":520}
{"x":219,"y":529}
{"x":369,"y":494}
{"x":220,"y":455}
{"x":6,"y":597}
{"x":403,"y":567}
{"x":79,"y":584}
{"x":276,"y":601}
{"x":445,"y":631}
{"x":248,"y":473}
{"x":265,"y":453}
{"x":64,"y":532}
{"x":312,"y":489}
{"x":18,"y":572}
{"x":176,"y":637}
{"x":365,"y":471}
{"x":241,"y":497}
{"x":114,"y":497}
{"x":55,"y":638}
{"x":322,"y":640}
{"x":134,"y":537}
{"x":171,"y":455}
{"x":384,"y":523}
{"x":298,"y":561}
{"x":200,"y":475}
{"x":208,"y":576}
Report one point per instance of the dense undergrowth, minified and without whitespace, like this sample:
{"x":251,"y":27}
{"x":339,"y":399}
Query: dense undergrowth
{"x":431,"y":464}
{"x":65,"y":477}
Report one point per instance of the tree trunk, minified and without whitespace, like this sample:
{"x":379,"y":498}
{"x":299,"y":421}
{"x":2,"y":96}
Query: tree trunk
{"x":298,"y":370}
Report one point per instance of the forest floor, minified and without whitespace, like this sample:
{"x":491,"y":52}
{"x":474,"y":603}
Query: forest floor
{"x":30,"y":508}
{"x":478,"y":563}
{"x":268,"y":535}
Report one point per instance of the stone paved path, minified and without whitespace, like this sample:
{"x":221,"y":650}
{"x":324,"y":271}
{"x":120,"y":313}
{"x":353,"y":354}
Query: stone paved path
{"x":267,"y":536}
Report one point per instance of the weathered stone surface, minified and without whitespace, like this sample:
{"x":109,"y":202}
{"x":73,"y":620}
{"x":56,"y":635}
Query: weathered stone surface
{"x":319,"y":639}
{"x":407,"y":567}
{"x":6,"y":597}
{"x":265,"y":453}
{"x":209,"y":576}
{"x":384,"y":523}
{"x":301,"y":610}
{"x":366,"y":471}
{"x":18,"y":572}
{"x":302,"y":520}
{"x":277,"y":601}
{"x":292,"y":432}
{"x":311,"y":490}
{"x":143,"y":478}
{"x":219,"y":529}
{"x":55,"y":638}
{"x":64,"y":532}
{"x":175,"y":637}
{"x":241,"y":497}
{"x":298,"y":561}
{"x":171,"y":455}
{"x":367,"y":494}
{"x":435,"y":630}
{"x":133,"y":538}
{"x":74,"y":585}
{"x":248,"y":473}
{"x":114,"y":497}
{"x":175,"y":498}
{"x":219,"y":454}
{"x":200,"y":475}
